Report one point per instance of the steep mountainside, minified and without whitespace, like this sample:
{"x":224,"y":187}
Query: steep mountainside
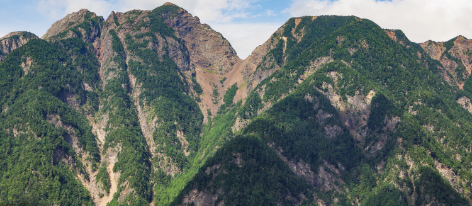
{"x":361,"y":114}
{"x":13,"y":41}
{"x":155,"y":108}
{"x":455,"y":56}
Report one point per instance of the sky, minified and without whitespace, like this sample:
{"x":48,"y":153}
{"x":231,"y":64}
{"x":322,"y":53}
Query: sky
{"x":249,"y":23}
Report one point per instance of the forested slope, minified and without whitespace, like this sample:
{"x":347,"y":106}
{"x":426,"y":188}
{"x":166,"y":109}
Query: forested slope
{"x":153,"y":107}
{"x":361,"y":113}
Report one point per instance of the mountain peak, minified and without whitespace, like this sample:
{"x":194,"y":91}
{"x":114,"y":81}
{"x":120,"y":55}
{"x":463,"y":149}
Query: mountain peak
{"x":13,"y":34}
{"x":69,"y":21}
{"x":169,"y":4}
{"x":460,"y":37}
{"x":154,"y":107}
{"x":13,"y":41}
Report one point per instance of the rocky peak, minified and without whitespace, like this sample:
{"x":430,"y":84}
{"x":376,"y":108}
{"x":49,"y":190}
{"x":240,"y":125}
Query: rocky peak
{"x":13,"y":41}
{"x":208,"y":49}
{"x":433,"y":49}
{"x":82,"y":24}
{"x":72,"y":20}
{"x":169,"y":4}
{"x":454,"y":55}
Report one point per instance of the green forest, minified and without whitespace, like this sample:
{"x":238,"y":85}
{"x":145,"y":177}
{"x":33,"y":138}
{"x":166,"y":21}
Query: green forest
{"x":377,"y":122}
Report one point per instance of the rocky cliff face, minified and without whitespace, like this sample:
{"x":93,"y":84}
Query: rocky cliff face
{"x":13,"y":41}
{"x":207,"y":48}
{"x":330,"y":112}
{"x":72,"y":20}
{"x":152,"y":42}
{"x":455,"y":56}
{"x":250,"y":72}
{"x":83,"y":24}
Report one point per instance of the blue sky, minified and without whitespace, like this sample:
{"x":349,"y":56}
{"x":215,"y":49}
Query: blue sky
{"x":248,"y":23}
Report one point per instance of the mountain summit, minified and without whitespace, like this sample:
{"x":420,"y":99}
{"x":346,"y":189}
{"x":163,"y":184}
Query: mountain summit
{"x":156,"y":108}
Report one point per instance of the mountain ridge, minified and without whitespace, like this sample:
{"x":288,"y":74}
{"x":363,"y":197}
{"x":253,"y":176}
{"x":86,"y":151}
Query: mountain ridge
{"x":153,"y":107}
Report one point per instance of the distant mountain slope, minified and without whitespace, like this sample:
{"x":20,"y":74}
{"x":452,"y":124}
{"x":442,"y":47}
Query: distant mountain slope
{"x":357,"y":110}
{"x":153,"y":107}
{"x":13,"y":41}
{"x":455,"y":56}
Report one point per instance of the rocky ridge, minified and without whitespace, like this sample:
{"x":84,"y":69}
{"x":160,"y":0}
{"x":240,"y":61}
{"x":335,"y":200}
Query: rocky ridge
{"x":13,"y":41}
{"x":455,"y":56}
{"x":194,"y":47}
{"x":201,"y":53}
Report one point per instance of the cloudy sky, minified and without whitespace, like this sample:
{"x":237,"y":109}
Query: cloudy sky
{"x":248,"y":23}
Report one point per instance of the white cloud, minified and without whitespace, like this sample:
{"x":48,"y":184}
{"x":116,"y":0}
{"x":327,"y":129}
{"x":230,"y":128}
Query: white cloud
{"x":246,"y":37}
{"x":206,"y":10}
{"x":420,"y":20}
{"x":2,"y":34}
{"x":6,"y":30}
{"x":57,"y":9}
{"x":270,"y":13}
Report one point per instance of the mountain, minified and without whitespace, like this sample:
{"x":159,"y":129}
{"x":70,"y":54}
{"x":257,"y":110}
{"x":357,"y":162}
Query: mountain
{"x":12,"y":41}
{"x":156,"y":108}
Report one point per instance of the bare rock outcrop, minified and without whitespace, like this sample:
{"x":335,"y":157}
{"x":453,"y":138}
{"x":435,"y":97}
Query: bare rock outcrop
{"x":207,"y":48}
{"x":462,"y":50}
{"x":465,"y":103}
{"x":82,"y":24}
{"x":393,"y":36}
{"x":434,"y":49}
{"x":13,"y":41}
{"x":200,"y":198}
{"x":70,"y":21}
{"x":250,"y":72}
{"x":453,"y":58}
{"x":327,"y":177}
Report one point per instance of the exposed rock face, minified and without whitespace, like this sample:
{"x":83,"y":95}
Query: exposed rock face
{"x":82,"y":24}
{"x":208,"y":49}
{"x":259,"y":65}
{"x":354,"y":110}
{"x":393,"y":36}
{"x":203,"y":54}
{"x":459,"y":58}
{"x":462,"y":50}
{"x":465,"y":103}
{"x":327,"y":177}
{"x":12,"y":41}
{"x":434,"y":49}
{"x":71,"y":20}
{"x":250,"y":64}
{"x":200,"y":198}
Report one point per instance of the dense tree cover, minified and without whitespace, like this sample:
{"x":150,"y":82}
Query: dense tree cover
{"x":365,"y":59}
{"x":248,"y":172}
{"x":290,"y":125}
{"x":104,"y":178}
{"x":35,"y":147}
{"x":44,"y":107}
{"x":52,"y":74}
{"x":434,"y":186}
{"x":389,"y":196}
{"x":215,"y":134}
{"x":165,"y":92}
{"x":251,"y":107}
{"x":228,"y":98}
